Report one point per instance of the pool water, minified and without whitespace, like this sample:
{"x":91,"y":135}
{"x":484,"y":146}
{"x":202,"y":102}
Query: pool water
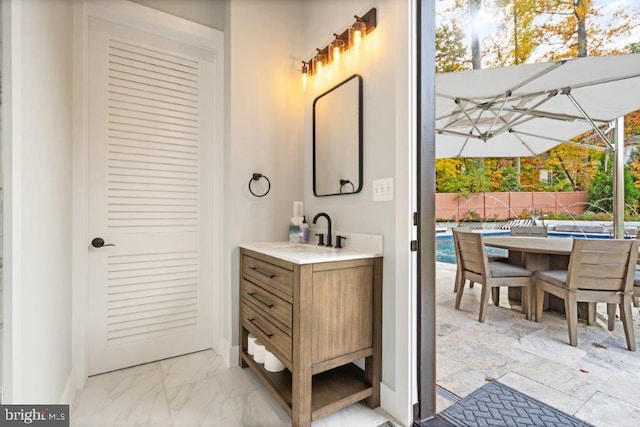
{"x":446,"y":253}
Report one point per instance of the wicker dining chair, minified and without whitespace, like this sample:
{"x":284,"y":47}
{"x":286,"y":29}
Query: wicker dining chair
{"x":600,"y":270}
{"x":475,"y":266}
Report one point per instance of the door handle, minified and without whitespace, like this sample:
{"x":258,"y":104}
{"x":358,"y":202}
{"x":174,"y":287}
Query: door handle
{"x":98,"y":242}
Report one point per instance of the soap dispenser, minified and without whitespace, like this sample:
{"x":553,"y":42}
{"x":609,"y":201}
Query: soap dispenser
{"x":304,"y":231}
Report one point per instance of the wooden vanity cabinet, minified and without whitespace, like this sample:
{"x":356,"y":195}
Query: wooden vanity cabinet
{"x":317,"y":319}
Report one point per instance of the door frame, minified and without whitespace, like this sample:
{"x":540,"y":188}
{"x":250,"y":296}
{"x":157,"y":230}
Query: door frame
{"x":153,"y":21}
{"x":426,"y":190}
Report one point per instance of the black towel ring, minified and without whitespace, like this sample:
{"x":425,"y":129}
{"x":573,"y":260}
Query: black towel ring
{"x":257,"y":177}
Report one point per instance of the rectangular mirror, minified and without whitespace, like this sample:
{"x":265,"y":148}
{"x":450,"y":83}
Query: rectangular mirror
{"x":337,"y":139}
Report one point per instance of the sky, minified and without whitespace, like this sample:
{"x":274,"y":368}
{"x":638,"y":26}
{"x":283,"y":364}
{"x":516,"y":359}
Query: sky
{"x":610,"y":6}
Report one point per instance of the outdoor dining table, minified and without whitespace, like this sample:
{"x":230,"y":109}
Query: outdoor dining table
{"x":535,"y":254}
{"x":540,"y":253}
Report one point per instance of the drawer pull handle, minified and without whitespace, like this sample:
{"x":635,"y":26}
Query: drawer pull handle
{"x":268,"y":305}
{"x":264,"y":273}
{"x":260,"y":329}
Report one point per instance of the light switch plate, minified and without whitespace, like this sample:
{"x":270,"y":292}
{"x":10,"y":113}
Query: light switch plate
{"x":383,"y":189}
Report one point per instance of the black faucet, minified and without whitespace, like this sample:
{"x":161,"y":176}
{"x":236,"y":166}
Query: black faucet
{"x":315,"y":218}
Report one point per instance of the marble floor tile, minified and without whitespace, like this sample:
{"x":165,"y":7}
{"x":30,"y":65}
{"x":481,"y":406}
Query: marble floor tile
{"x":603,"y":410}
{"x":236,"y":381}
{"x":356,"y":415}
{"x":193,"y":390}
{"x":189,"y":368}
{"x":133,"y":396}
{"x":258,"y":408}
{"x":200,"y":403}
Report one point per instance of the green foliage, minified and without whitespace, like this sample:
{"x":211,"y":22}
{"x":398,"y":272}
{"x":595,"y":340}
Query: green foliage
{"x":584,"y":216}
{"x":475,"y":177}
{"x":634,"y":166}
{"x":451,"y":53}
{"x":600,"y":195}
{"x":457,"y":176}
{"x":509,"y":179}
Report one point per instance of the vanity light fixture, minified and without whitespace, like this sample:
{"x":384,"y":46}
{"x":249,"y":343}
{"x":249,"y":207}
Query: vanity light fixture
{"x":359,"y":29}
{"x":351,"y":37}
{"x":337,"y":47}
{"x":319,"y":62}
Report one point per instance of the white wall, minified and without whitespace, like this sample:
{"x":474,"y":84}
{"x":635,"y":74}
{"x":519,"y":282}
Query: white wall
{"x":384,"y":65}
{"x":264,"y":132}
{"x":38,"y":178}
{"x":268,"y":131}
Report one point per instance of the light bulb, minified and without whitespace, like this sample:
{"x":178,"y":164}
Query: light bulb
{"x":305,"y":72}
{"x":336,"y":48}
{"x":357,"y":38}
{"x":319,"y":62}
{"x":359,"y":30}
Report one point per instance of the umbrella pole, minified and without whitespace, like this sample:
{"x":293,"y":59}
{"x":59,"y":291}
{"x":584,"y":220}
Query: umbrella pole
{"x":618,"y":179}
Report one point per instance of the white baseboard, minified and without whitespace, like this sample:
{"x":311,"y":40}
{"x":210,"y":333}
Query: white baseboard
{"x":228,"y":352}
{"x":75,"y":383}
{"x":69,"y":392}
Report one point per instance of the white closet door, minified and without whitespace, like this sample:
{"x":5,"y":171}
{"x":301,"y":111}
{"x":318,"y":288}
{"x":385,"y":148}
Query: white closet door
{"x":150,"y":136}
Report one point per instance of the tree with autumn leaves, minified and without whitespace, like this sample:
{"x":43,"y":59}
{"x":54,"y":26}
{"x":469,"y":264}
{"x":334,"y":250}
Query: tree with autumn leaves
{"x":534,"y":31}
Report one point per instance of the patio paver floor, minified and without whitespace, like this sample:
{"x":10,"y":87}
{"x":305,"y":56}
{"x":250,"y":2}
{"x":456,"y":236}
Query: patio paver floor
{"x":598,"y":381}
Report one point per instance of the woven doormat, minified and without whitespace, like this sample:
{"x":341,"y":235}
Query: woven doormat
{"x":495,"y":404}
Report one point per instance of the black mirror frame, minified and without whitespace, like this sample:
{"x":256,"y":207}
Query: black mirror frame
{"x":360,"y":137}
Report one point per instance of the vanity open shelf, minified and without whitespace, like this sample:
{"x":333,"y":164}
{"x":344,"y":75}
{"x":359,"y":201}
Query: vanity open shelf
{"x":331,"y":390}
{"x":317,"y":318}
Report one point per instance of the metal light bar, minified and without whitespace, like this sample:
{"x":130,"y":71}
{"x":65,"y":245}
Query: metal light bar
{"x":370,"y":19}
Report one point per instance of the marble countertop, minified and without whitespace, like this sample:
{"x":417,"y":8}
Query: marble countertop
{"x":299,"y":253}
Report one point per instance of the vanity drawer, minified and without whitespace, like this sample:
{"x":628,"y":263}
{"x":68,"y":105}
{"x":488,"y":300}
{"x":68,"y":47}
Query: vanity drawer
{"x":272,"y":306}
{"x":274,"y":339}
{"x":273,"y":278}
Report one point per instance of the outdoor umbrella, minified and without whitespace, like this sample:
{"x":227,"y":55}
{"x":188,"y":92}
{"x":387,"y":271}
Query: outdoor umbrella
{"x":528,"y":109}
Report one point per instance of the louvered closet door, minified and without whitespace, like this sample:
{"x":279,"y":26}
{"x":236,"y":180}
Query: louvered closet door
{"x":150,"y":118}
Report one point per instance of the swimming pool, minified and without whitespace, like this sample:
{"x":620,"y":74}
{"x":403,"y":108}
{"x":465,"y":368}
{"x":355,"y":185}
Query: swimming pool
{"x":446,"y":253}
